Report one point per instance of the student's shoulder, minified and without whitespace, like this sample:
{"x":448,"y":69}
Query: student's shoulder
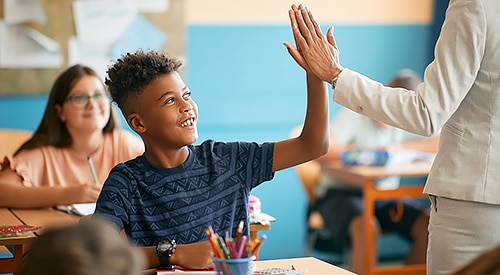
{"x":130,"y":166}
{"x":41,"y":153}
{"x":123,"y":142}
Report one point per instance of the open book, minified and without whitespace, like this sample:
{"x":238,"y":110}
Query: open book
{"x":80,"y":209}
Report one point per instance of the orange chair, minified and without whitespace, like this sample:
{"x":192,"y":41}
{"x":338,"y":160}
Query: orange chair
{"x":317,"y":239}
{"x":11,"y":139}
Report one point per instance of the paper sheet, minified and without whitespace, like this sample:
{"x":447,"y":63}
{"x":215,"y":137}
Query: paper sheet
{"x":153,"y":6}
{"x":80,"y":209}
{"x":141,"y":34}
{"x":102,"y":21}
{"x":22,"y":11}
{"x":21,"y":47}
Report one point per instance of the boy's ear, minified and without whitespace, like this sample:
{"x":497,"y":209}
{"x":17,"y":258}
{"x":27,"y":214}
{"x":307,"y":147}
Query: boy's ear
{"x":135,"y":123}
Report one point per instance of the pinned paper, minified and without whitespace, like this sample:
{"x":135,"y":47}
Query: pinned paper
{"x":23,"y":11}
{"x":21,"y":47}
{"x":153,"y":6}
{"x":142,"y":34}
{"x":102,"y":21}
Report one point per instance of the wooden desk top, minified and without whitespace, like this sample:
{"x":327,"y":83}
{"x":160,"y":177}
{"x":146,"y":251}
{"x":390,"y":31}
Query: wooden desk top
{"x":7,"y":218}
{"x":314,"y":266}
{"x":259,"y":227}
{"x":359,"y":174}
{"x":45,"y":217}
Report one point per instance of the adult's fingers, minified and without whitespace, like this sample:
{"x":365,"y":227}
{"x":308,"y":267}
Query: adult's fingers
{"x":302,"y":26}
{"x":317,"y":28}
{"x":308,"y":24}
{"x":300,"y":42}
{"x":331,"y":38}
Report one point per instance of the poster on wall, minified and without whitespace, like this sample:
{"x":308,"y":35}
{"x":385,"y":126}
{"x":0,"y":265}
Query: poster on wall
{"x":22,"y":46}
{"x":106,"y":29}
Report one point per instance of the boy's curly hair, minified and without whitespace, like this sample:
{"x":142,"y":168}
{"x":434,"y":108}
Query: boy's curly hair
{"x":130,"y":74}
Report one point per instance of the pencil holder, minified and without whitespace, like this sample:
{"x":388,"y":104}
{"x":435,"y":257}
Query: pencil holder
{"x":242,"y":266}
{"x":371,"y":157}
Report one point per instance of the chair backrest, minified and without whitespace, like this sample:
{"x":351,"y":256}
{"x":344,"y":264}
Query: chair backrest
{"x":11,"y":139}
{"x":309,"y":174}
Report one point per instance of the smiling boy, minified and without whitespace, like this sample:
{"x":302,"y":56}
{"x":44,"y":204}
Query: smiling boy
{"x":175,"y":190}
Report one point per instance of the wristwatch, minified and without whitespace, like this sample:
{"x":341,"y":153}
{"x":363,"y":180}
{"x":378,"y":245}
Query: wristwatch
{"x":334,"y":82}
{"x":164,"y":250}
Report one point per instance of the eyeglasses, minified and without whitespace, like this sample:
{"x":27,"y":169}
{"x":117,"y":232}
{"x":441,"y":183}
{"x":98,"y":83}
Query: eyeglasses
{"x":81,"y":101}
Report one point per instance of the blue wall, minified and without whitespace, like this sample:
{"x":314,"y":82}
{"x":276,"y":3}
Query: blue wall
{"x":21,"y":112}
{"x":248,"y":88}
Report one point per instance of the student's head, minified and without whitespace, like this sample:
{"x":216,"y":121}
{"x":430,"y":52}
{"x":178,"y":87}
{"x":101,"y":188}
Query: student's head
{"x":406,"y":79}
{"x":70,"y":111}
{"x":153,"y":97}
{"x":88,"y":248}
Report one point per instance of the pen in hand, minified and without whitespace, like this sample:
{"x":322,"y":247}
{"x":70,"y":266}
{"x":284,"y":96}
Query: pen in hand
{"x":92,"y":170}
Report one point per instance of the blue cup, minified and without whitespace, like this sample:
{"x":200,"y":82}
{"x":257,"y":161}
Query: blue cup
{"x":242,"y":266}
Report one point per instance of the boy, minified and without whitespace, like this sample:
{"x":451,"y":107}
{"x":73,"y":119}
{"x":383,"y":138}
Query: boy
{"x":172,"y":193}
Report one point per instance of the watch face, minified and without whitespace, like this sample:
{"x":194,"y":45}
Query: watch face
{"x":164,"y":246}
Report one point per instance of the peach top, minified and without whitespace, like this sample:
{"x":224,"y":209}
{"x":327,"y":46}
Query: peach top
{"x":52,"y":166}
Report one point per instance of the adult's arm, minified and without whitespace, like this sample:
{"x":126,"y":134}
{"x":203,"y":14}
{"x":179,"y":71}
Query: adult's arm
{"x":447,"y":80}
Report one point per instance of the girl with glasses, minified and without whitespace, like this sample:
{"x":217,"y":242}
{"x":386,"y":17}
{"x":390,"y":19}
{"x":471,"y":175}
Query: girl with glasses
{"x":78,"y":131}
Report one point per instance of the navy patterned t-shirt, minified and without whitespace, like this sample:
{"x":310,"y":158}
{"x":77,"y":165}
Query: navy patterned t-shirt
{"x":152,"y":203}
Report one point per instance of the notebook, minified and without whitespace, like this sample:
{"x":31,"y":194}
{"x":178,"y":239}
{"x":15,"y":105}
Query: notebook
{"x":80,"y":209}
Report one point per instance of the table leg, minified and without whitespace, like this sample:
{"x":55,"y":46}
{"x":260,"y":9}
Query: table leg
{"x":12,"y":265}
{"x":369,"y":214}
{"x":370,"y":195}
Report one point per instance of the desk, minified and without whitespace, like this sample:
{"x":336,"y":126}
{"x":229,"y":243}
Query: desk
{"x":313,"y":266}
{"x":49,"y":218}
{"x":14,"y":244}
{"x":365,"y":176}
{"x":45,"y":217}
{"x":254,"y":233}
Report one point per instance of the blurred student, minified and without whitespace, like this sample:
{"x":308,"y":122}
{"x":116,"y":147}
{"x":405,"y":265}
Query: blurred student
{"x":77,"y":127}
{"x":338,"y":206}
{"x":460,"y":96}
{"x":176,"y":190}
{"x":88,"y":248}
{"x":487,"y":263}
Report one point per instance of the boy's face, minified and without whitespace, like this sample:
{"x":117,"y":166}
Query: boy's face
{"x":167,"y":112}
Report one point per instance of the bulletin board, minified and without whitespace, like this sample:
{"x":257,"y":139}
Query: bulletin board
{"x":60,"y":27}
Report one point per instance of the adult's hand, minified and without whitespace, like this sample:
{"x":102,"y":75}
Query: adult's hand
{"x":319,"y":52}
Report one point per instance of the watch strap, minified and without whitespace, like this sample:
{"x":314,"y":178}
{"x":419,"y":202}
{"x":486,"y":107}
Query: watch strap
{"x":334,"y":81}
{"x":165,"y":261}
